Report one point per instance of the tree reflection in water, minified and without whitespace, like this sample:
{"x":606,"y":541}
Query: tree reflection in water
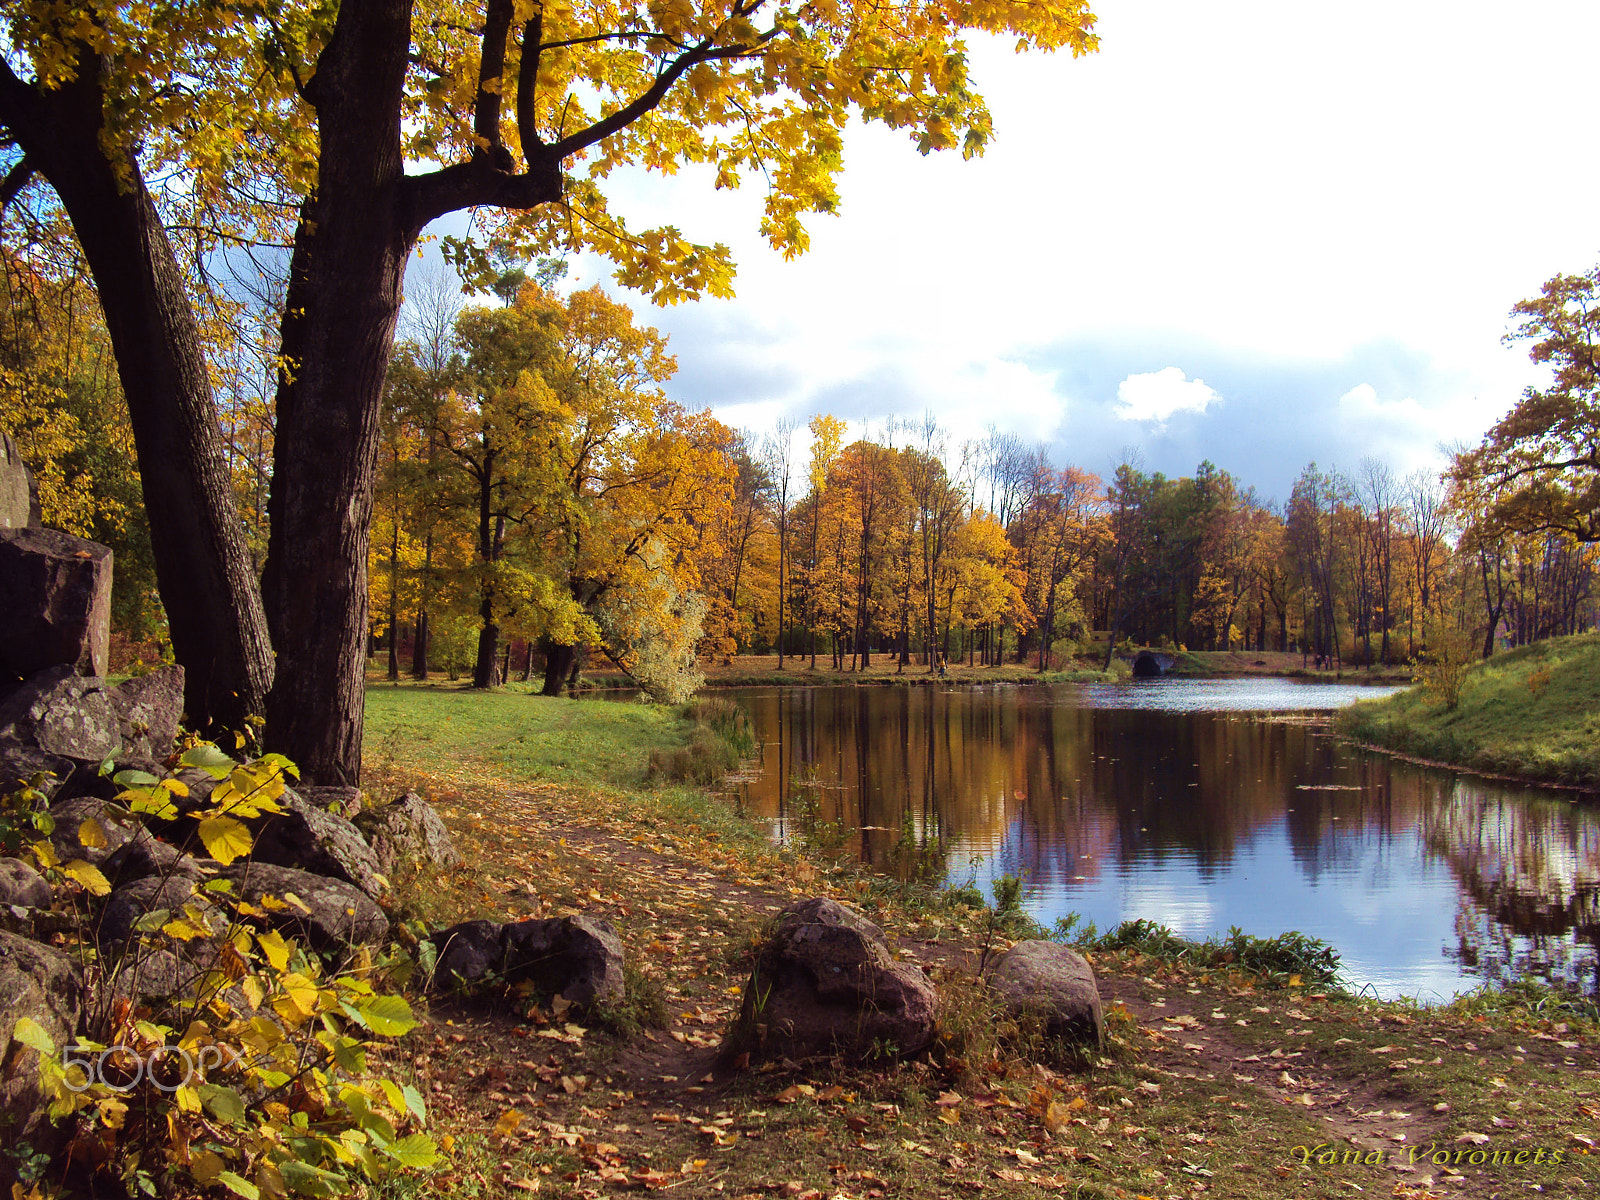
{"x":1197,"y":805}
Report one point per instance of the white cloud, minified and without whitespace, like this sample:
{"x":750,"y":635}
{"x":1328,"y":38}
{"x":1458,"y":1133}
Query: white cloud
{"x":1401,"y":432}
{"x":1155,"y":396}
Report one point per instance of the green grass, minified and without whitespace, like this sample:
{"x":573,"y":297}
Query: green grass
{"x":449,"y":734}
{"x":540,"y":739}
{"x":1532,"y":712}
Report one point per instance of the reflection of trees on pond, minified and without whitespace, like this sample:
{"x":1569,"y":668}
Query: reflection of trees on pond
{"x":1065,"y":790}
{"x":1067,"y":795}
{"x":1529,"y":872}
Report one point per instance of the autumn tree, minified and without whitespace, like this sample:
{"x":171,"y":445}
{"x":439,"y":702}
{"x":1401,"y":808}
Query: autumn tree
{"x":362,"y":123}
{"x":1427,"y":528}
{"x":938,"y":510}
{"x":626,"y":473}
{"x":986,"y":584}
{"x":1066,"y":521}
{"x":778,"y":459}
{"x":731,"y":536}
{"x":1317,"y":537}
{"x":498,"y":428}
{"x":827,"y":435}
{"x":1541,"y":461}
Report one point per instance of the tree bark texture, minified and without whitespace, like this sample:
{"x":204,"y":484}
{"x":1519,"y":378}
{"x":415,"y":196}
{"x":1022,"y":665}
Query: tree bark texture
{"x":208,"y":586}
{"x":356,"y":233}
{"x":559,"y":661}
{"x":338,"y":329}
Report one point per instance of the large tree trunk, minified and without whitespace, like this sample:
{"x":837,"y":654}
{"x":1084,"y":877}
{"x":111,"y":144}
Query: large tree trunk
{"x":203,"y":568}
{"x":559,"y":661}
{"x":419,"y":647}
{"x":338,"y":328}
{"x":356,"y":232}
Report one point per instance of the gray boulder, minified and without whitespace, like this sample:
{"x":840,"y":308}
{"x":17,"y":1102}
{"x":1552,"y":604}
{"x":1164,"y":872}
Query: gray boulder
{"x":308,"y":838}
{"x":144,"y":855}
{"x":59,"y":712}
{"x":339,"y":800}
{"x":43,"y":984}
{"x":407,"y":831}
{"x":330,"y":914}
{"x":144,"y":972}
{"x":825,"y":983}
{"x":18,"y":509}
{"x":132,"y":902}
{"x":1045,"y":980}
{"x":578,"y":958}
{"x":117,"y":826}
{"x":57,"y":775}
{"x":55,"y":590}
{"x":468,"y":954}
{"x":148,"y":709}
{"x":21,"y":886}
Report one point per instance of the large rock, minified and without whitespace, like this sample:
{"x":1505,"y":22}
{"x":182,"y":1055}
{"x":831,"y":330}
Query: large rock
{"x":21,"y":886}
{"x":341,"y":801}
{"x":312,"y":839}
{"x":408,"y":831}
{"x":18,"y":509}
{"x":55,"y":592}
{"x":144,"y":855}
{"x":825,"y":983}
{"x":148,"y":709}
{"x":171,"y":895}
{"x":60,"y":712}
{"x":143,"y":972}
{"x":57,"y":775}
{"x":42,"y":984}
{"x":330,"y":914}
{"x":117,"y":827}
{"x":16,"y":492}
{"x":1046,"y":980}
{"x":578,"y":958}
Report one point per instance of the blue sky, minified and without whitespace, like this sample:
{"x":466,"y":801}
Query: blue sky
{"x":1255,"y":232}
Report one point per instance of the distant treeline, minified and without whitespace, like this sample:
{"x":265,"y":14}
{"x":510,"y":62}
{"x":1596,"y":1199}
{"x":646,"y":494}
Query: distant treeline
{"x":540,"y":500}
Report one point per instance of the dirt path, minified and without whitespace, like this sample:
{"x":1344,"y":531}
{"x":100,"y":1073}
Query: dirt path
{"x":1226,"y":1091}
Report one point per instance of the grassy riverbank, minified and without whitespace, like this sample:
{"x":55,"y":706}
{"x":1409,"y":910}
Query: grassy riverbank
{"x":1533,"y":712}
{"x":1215,"y":1082}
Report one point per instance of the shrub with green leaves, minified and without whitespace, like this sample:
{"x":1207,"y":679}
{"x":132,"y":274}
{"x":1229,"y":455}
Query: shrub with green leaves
{"x":254,"y":1077}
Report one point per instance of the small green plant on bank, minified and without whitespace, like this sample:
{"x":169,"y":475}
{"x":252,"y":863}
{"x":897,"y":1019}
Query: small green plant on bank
{"x":252,"y":1078}
{"x":1529,"y":999}
{"x":920,"y":858}
{"x":1291,"y":959}
{"x":1004,"y":917}
{"x":722,"y":737}
{"x":1443,"y":668}
{"x":814,"y":831}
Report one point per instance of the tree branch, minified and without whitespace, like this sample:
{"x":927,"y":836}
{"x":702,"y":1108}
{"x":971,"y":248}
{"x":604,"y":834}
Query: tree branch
{"x":16,"y":179}
{"x":491,"y":71}
{"x":480,"y":181}
{"x":653,"y":95}
{"x":528,"y":84}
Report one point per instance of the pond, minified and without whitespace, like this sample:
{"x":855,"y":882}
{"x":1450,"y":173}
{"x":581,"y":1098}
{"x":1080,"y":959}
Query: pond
{"x":1201,"y":805}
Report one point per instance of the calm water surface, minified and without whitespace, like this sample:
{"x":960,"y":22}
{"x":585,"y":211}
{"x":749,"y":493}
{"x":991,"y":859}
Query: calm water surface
{"x":1201,"y":805}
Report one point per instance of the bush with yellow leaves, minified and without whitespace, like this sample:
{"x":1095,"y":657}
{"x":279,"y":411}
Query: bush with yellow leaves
{"x":253,"y":1075}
